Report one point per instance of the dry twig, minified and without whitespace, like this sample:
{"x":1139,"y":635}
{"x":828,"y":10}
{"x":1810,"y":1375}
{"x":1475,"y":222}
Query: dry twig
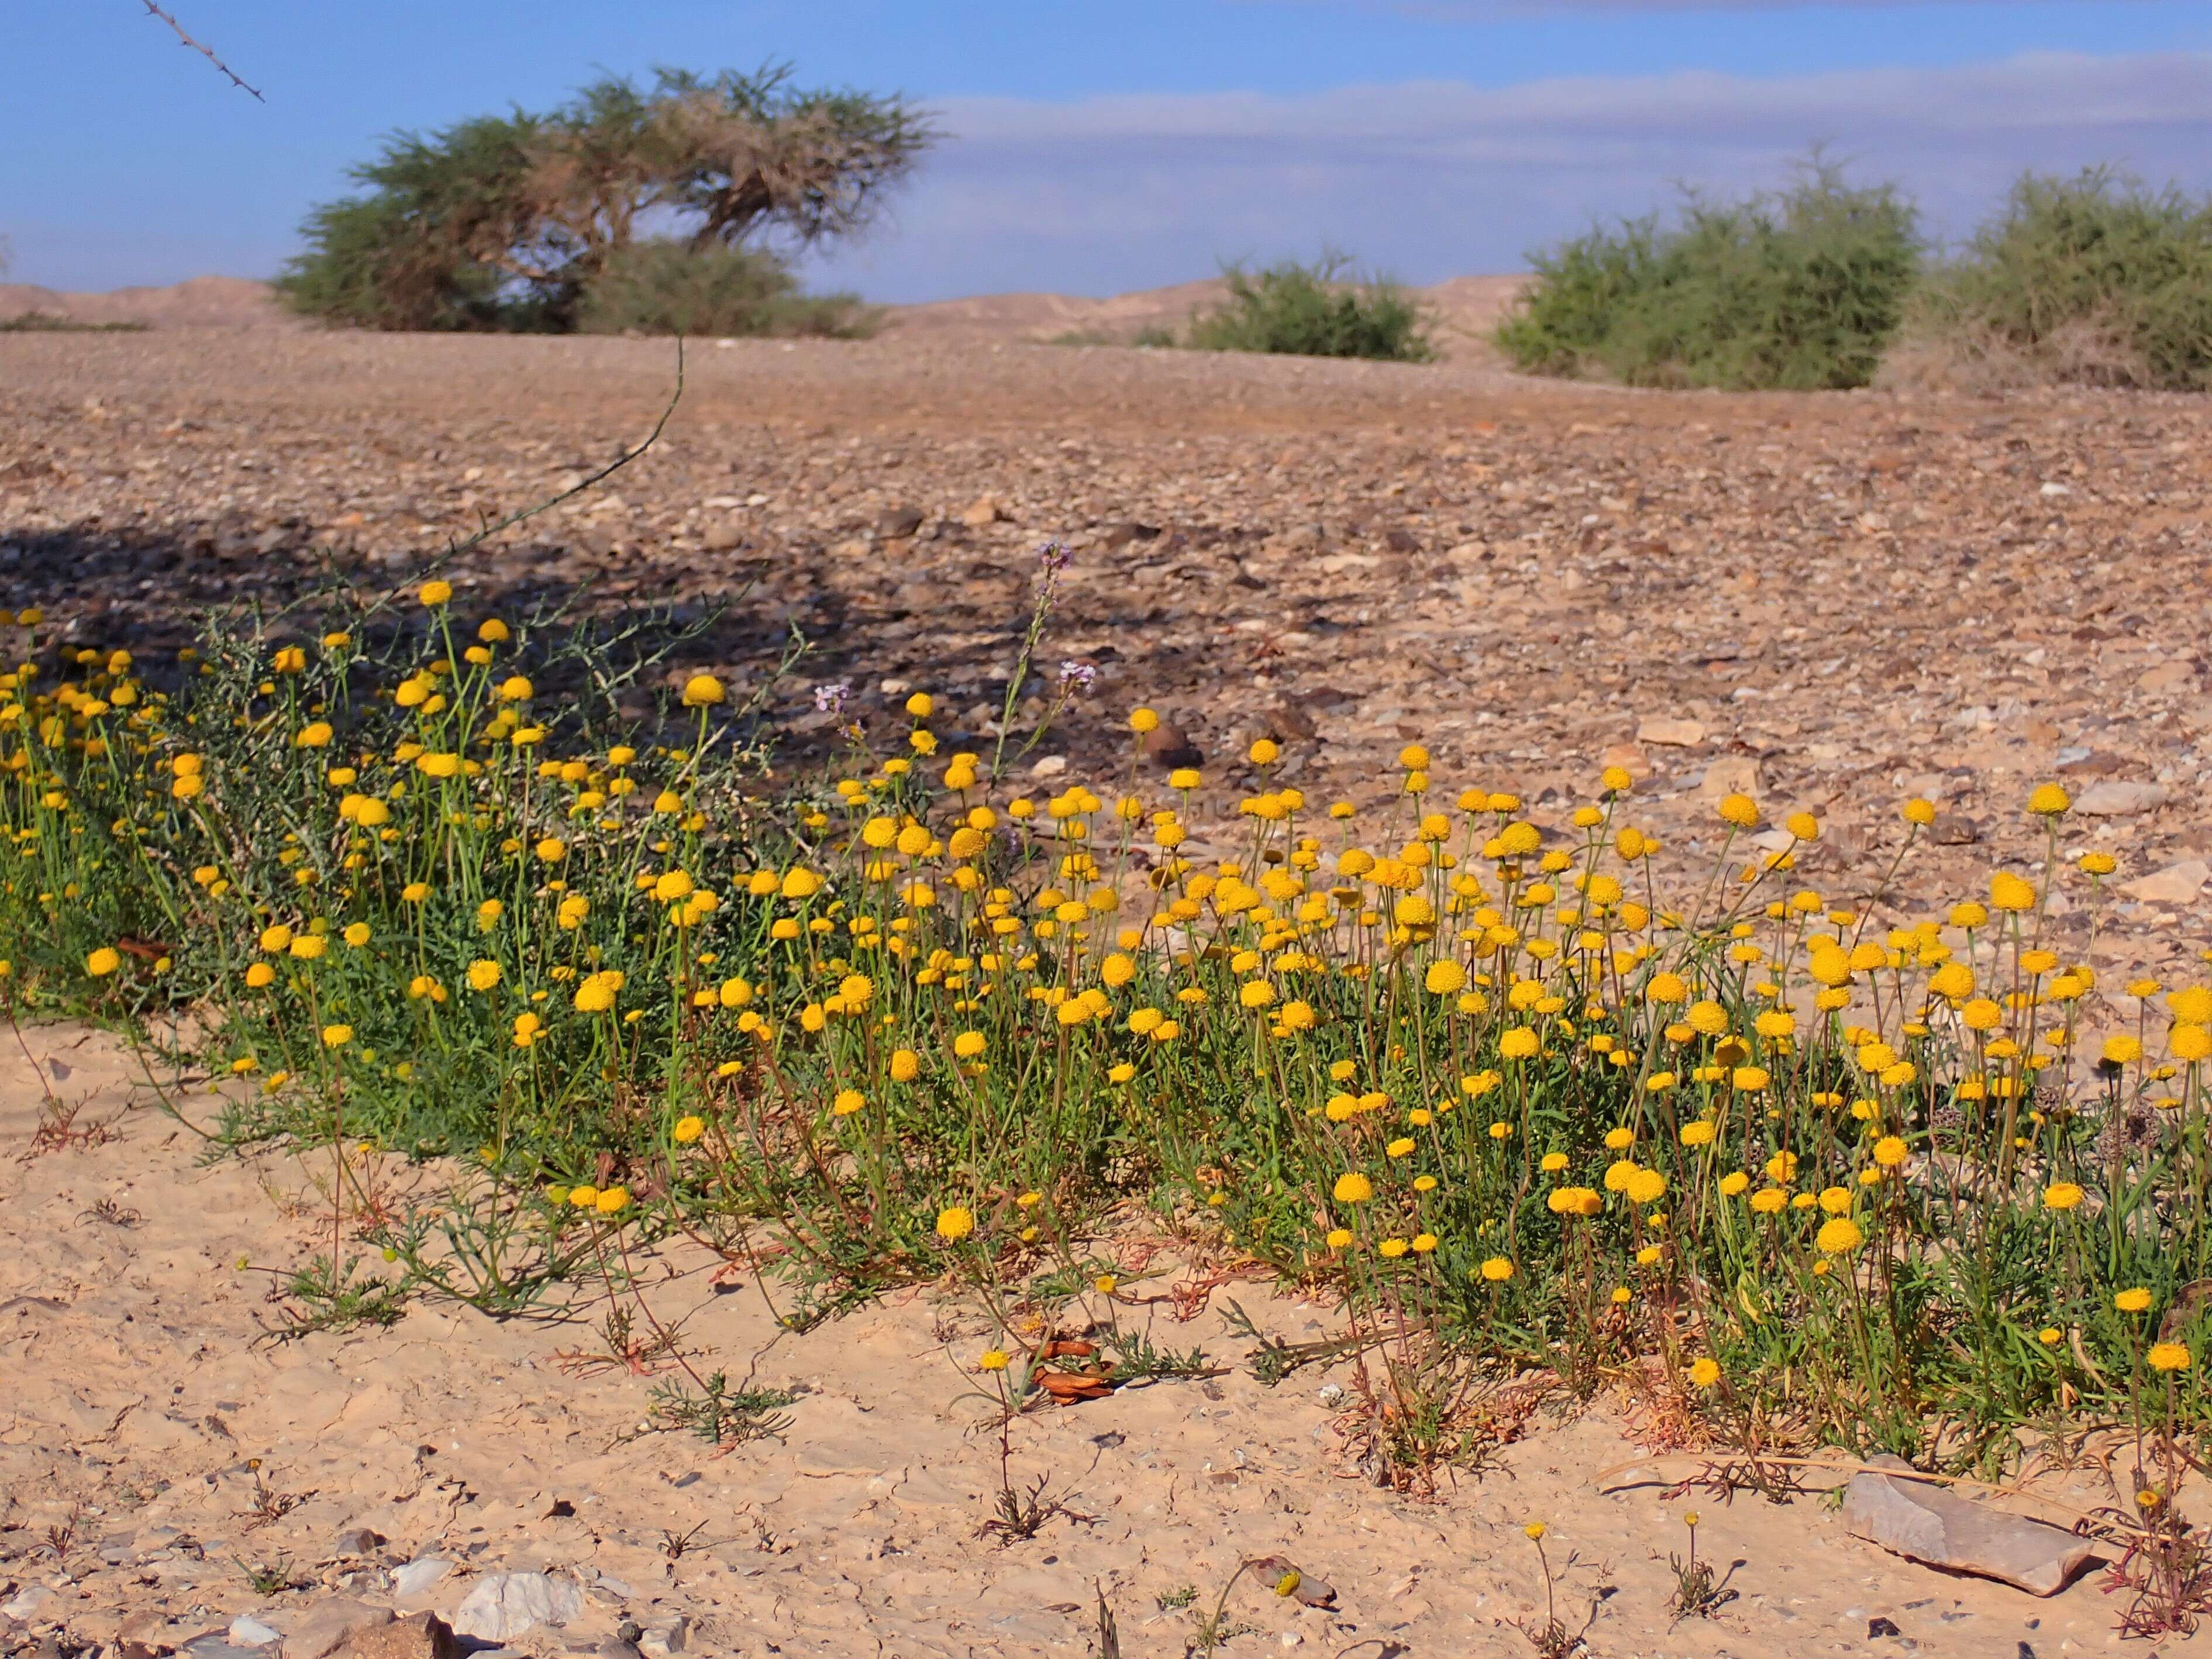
{"x":187,"y":40}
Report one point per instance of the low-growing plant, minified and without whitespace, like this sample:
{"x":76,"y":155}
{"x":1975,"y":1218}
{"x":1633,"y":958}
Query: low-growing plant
{"x":1798,"y":290}
{"x":2092,"y":280}
{"x":664,"y":287}
{"x":1310,"y":310}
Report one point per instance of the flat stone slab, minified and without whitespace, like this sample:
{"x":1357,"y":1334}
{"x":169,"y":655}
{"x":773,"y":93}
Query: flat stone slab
{"x":1924,"y":1523}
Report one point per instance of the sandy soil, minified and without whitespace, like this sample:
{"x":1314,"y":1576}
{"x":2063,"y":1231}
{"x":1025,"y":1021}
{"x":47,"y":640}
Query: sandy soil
{"x":157,"y":1424}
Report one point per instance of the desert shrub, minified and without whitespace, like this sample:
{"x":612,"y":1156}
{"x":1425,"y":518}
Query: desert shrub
{"x":1311,"y":311}
{"x":662,"y":287}
{"x":1798,"y":291}
{"x":508,"y":222}
{"x":2089,"y":280}
{"x":1518,"y":1105}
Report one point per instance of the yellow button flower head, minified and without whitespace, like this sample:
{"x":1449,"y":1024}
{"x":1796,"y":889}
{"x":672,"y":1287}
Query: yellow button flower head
{"x":611,"y":1201}
{"x":1353,"y":1188}
{"x":688,"y":1129}
{"x":955,"y":1222}
{"x":1739,"y":811}
{"x":2009,"y":892}
{"x":1918,"y":812}
{"x":701,"y":690}
{"x":102,"y":963}
{"x":2049,"y":800}
{"x":2167,"y":1357}
{"x":1891,"y":1150}
{"x":1838,"y":1235}
{"x":2062,"y":1195}
{"x":992,"y":1359}
{"x":434,"y":593}
{"x":1445,"y":978}
{"x":483,"y":975}
{"x":1705,"y":1372}
{"x":2133,"y":1301}
{"x":1497,"y":1269}
{"x":336,"y":1036}
{"x":1519,"y":1043}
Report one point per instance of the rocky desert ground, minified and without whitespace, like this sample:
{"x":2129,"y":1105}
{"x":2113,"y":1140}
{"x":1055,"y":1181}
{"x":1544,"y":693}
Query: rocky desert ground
{"x":1834,"y":601}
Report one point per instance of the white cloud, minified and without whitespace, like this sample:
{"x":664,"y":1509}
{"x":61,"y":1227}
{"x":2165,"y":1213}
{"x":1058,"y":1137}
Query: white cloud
{"x":1434,"y":178}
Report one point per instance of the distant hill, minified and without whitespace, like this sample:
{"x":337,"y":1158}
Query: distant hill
{"x":1466,"y":309}
{"x":199,"y":302}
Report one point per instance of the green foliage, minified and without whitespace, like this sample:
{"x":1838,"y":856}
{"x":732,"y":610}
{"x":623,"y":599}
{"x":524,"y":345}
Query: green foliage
{"x":662,"y":287}
{"x":509,"y":222}
{"x":1800,"y":291}
{"x":2092,"y":279}
{"x":1310,"y":311}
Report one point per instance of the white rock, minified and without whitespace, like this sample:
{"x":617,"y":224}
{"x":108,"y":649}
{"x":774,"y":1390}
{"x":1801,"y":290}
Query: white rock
{"x":247,"y":1632}
{"x":2114,"y":800}
{"x":2052,"y":491}
{"x":27,"y":1602}
{"x":516,"y":1603}
{"x":419,"y":1575}
{"x":2178,"y":884}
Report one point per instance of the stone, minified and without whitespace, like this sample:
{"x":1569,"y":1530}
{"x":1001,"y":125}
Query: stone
{"x":669,"y":1637}
{"x":330,"y":1626}
{"x":419,"y":1575}
{"x":1953,"y":829}
{"x":899,"y":523}
{"x":980,"y":513}
{"x":357,"y":1540}
{"x":215,"y":1646}
{"x":1732,"y":774}
{"x":722,"y":536}
{"x":247,"y":1632}
{"x":1923,"y":1522}
{"x":516,"y":1603}
{"x":2112,"y":800}
{"x":25,"y":1604}
{"x":1629,"y":758}
{"x":2178,"y":884}
{"x":1670,"y":734}
{"x":1165,"y":746}
{"x":425,"y":1636}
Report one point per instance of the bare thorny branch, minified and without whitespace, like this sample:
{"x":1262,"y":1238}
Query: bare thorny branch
{"x":204,"y":51}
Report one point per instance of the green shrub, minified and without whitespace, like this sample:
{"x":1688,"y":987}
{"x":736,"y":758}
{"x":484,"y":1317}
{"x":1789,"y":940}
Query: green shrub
{"x":2091,"y":280}
{"x":1311,"y":311}
{"x":1800,"y":290}
{"x":664,"y":287}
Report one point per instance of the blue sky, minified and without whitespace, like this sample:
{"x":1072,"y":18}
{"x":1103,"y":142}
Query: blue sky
{"x":1097,"y":148}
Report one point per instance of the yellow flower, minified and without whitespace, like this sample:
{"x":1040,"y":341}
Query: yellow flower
{"x":336,"y":1036}
{"x":1339,"y":1237}
{"x":102,"y":963}
{"x":1890,"y":1152}
{"x":1535,"y":1530}
{"x":2062,"y":1195}
{"x":2008,"y":892}
{"x":612,"y":1199}
{"x":848,"y":1102}
{"x":955,"y":1222}
{"x":2121,"y":1050}
{"x":1519,"y":1043}
{"x":1353,"y":1188}
{"x":688,"y":1129}
{"x":483,"y":975}
{"x":1497,"y":1269}
{"x":1142,"y":720}
{"x":1838,"y":1235}
{"x":701,"y":690}
{"x":2049,"y":800}
{"x":1445,"y":978}
{"x":435,"y":593}
{"x":2133,"y":1301}
{"x":992,"y":1359}
{"x":1739,"y":811}
{"x":2167,"y":1357}
{"x":1705,"y":1372}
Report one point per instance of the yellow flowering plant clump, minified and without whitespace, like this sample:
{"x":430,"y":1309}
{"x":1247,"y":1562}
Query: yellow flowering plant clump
{"x":1539,"y":1092}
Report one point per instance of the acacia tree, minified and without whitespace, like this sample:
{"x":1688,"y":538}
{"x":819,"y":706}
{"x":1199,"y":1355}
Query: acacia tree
{"x":505,"y":222}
